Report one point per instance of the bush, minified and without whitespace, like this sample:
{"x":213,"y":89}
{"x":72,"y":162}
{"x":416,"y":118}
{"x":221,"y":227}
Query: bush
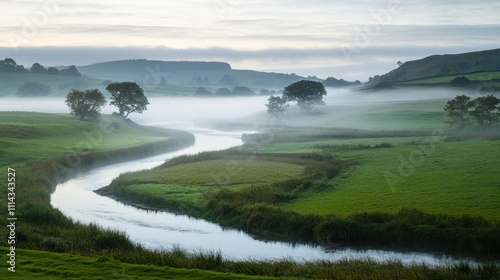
{"x":460,"y":81}
{"x":33,"y":89}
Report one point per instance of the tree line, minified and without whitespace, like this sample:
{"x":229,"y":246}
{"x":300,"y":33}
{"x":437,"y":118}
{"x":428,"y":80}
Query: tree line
{"x":128,"y":97}
{"x":463,"y":112}
{"x":9,"y":65}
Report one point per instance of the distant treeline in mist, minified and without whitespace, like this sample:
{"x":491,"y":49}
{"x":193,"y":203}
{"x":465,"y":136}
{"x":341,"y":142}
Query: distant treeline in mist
{"x":9,"y":65}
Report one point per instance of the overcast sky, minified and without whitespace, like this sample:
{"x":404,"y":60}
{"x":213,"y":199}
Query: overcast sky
{"x":351,"y":39}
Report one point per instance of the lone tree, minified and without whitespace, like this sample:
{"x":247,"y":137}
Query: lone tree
{"x":457,"y":111}
{"x":307,"y":94}
{"x":485,"y":110}
{"x":85,"y":104}
{"x":128,"y":97}
{"x":277,"y":105}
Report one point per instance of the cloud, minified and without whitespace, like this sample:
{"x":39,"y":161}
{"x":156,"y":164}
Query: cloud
{"x":355,"y":38}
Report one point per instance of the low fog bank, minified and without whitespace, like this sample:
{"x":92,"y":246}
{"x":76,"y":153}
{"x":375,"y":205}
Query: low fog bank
{"x":354,"y":95}
{"x":344,"y":108}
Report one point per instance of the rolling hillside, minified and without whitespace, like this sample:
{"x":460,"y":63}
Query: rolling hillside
{"x":444,"y":65}
{"x":185,"y":73}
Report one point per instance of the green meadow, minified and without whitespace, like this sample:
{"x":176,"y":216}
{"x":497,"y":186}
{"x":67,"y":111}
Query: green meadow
{"x":430,"y":173}
{"x":485,"y":77}
{"x":30,"y":137}
{"x":315,"y":182}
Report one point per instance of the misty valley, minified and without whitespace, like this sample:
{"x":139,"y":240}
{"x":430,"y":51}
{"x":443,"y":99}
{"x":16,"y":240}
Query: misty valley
{"x":196,"y":167}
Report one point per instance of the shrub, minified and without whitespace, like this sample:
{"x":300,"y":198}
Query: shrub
{"x":33,"y":89}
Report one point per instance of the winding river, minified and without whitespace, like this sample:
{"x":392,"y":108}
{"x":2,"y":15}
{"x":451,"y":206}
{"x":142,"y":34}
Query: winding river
{"x":162,"y":230}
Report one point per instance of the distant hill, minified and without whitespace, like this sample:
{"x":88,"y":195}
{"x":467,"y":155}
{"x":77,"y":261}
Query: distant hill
{"x":185,"y":73}
{"x":334,"y":82}
{"x":138,"y":68}
{"x":443,"y":65}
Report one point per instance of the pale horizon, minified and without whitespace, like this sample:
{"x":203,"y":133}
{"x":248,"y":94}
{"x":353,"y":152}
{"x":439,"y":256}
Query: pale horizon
{"x":345,"y":39}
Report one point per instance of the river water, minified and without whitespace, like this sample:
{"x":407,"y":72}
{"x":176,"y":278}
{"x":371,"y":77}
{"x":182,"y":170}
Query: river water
{"x":162,"y":230}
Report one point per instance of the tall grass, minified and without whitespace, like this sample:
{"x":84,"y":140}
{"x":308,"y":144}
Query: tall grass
{"x":345,"y":269}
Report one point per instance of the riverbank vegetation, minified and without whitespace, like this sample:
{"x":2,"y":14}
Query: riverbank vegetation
{"x":142,"y":264}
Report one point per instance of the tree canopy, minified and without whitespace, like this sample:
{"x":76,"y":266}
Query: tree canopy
{"x":70,"y":71}
{"x":9,"y":65}
{"x":85,"y":104}
{"x":37,"y":68}
{"x":241,"y":90}
{"x":457,"y":111}
{"x":201,"y":91}
{"x":483,"y":111}
{"x":307,"y":94}
{"x":128,"y":97}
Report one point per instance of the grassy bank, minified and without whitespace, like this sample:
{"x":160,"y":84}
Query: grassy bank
{"x":156,"y":265}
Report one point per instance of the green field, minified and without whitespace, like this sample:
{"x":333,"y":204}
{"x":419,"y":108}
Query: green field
{"x":485,"y":77}
{"x":47,"y":136}
{"x":303,"y":183}
{"x":187,"y":183}
{"x":425,"y":173}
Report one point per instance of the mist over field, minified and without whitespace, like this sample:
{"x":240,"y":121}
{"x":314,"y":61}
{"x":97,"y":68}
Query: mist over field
{"x":344,"y":108}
